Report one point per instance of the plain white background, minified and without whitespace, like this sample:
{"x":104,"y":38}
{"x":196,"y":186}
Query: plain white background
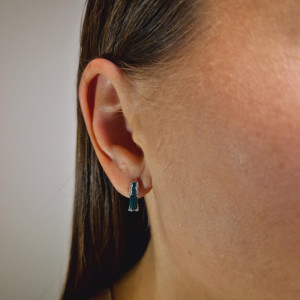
{"x":39,"y":49}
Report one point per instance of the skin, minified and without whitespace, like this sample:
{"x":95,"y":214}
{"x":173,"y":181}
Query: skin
{"x":215,"y":147}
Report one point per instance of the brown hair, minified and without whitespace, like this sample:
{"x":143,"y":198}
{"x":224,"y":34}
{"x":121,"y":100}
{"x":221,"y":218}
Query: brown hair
{"x":139,"y":36}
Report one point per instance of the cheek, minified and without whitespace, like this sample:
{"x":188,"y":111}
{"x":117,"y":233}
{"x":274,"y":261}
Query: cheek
{"x":259,"y":131}
{"x":225,"y":159}
{"x":260,"y":134}
{"x":260,"y":161}
{"x":248,"y":145}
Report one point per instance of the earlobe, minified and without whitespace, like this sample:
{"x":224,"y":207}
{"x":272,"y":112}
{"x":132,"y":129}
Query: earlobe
{"x":102,"y":95}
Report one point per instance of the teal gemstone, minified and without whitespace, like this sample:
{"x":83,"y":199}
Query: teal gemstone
{"x":133,"y":203}
{"x":133,"y":196}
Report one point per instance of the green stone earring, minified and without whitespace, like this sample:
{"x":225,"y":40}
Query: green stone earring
{"x":133,"y":196}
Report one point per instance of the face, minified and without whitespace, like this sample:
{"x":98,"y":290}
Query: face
{"x":224,"y":152}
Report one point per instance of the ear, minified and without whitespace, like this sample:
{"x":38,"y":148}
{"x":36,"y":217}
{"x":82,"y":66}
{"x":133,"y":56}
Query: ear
{"x":105,"y":98}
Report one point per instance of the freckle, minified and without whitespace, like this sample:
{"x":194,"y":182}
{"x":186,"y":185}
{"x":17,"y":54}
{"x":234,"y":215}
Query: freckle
{"x":281,"y":165}
{"x":258,"y":134}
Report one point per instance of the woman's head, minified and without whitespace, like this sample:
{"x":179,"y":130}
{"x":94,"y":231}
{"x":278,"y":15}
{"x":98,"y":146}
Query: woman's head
{"x":199,"y":101}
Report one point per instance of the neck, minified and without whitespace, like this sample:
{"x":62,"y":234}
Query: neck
{"x":156,"y":276}
{"x":139,"y":282}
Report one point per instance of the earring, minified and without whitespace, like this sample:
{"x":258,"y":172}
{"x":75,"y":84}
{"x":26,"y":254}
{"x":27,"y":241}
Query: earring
{"x":133,"y":196}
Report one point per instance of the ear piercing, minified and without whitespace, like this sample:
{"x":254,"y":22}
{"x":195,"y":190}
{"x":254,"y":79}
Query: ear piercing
{"x":133,"y":196}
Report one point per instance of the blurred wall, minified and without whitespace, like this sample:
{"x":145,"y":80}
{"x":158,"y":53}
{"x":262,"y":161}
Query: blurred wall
{"x":39,"y":48}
